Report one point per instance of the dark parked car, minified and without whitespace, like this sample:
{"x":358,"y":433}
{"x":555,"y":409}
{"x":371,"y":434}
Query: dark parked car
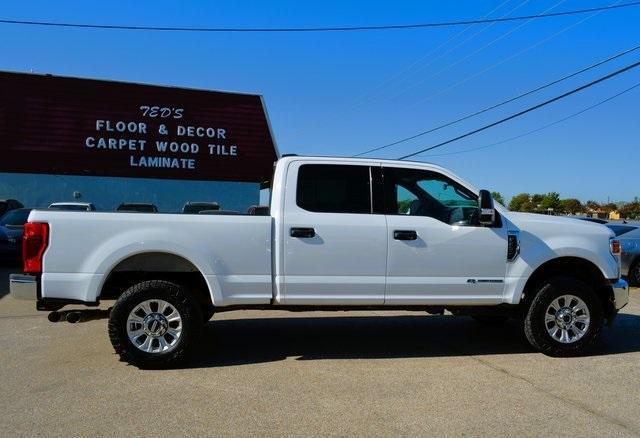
{"x":259,"y":210}
{"x":221,"y":212}
{"x":9,"y":204}
{"x":629,"y":237}
{"x":11,"y":230}
{"x":138,"y":208}
{"x":197,"y":207}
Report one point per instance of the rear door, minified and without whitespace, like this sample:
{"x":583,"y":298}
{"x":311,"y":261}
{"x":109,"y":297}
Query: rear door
{"x":438,"y":253}
{"x":334,"y":247}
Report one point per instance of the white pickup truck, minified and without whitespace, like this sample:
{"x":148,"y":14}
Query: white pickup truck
{"x":342,"y":234}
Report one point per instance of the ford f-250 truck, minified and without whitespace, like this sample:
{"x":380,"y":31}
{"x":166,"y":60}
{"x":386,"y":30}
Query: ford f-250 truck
{"x":342,"y":234}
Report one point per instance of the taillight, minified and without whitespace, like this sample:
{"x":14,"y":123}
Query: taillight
{"x":615,"y":247}
{"x":34,"y":243}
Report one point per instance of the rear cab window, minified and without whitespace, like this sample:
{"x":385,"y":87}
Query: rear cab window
{"x":334,"y":188}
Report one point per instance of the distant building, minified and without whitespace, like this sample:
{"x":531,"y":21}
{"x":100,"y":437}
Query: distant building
{"x":598,"y":214}
{"x":67,"y":139}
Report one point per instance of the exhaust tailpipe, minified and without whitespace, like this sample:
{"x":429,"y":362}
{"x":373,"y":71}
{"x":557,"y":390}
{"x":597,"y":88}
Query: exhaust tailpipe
{"x":74,"y":317}
{"x":54,"y":317}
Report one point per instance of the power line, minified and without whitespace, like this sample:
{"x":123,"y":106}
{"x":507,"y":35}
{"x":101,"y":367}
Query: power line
{"x":432,"y":59}
{"x":486,"y":69}
{"x":584,"y":110}
{"x":314,"y":29}
{"x":402,"y":75}
{"x":512,"y":99}
{"x":528,"y":110}
{"x":472,"y":54}
{"x":471,"y":37}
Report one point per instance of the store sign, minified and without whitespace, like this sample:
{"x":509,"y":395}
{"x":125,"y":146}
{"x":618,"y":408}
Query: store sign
{"x":58,"y":125}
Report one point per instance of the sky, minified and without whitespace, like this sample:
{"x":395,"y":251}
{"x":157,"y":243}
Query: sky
{"x":343,"y":93}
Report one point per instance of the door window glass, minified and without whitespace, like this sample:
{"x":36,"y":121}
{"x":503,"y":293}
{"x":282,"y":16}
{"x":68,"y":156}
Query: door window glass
{"x":405,"y":200}
{"x":423,"y":193}
{"x":327,"y":188}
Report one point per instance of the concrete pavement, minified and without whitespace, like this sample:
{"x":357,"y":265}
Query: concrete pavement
{"x":278,"y":373}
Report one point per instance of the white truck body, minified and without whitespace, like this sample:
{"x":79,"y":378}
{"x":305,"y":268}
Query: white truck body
{"x":411,"y":246}
{"x":352,"y":260}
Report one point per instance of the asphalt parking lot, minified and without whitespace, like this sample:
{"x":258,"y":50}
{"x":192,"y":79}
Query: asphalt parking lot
{"x":276,"y":373}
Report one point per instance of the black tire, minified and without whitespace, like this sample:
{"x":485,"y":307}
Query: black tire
{"x":634,"y":273}
{"x":491,"y":320}
{"x":207,"y":313}
{"x":535,"y":328}
{"x":189,"y":311}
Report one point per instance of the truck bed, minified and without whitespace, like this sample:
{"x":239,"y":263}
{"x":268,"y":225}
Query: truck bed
{"x":232,"y":252}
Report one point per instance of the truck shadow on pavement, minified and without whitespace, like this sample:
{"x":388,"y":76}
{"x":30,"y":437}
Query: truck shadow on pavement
{"x":242,"y":341}
{"x":249,"y":341}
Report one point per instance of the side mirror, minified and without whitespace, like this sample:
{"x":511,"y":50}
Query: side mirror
{"x":487,"y":212}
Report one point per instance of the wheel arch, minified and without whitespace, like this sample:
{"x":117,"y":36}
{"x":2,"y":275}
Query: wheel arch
{"x":576,"y":267}
{"x":160,"y":265}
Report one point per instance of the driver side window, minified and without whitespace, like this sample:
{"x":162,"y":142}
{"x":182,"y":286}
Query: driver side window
{"x":417,"y":192}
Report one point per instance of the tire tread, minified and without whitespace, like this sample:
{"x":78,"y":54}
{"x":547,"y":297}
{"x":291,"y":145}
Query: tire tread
{"x":536,"y":333}
{"x":177,"y":296}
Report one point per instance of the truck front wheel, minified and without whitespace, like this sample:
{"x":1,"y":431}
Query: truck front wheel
{"x":565,"y":317}
{"x":154,"y":324}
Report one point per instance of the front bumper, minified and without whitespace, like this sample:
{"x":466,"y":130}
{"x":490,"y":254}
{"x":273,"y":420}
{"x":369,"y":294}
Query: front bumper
{"x":23,"y":287}
{"x":620,"y":293}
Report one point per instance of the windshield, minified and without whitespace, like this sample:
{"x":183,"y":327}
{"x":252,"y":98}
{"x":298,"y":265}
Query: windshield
{"x":619,"y":230}
{"x":15,"y":217}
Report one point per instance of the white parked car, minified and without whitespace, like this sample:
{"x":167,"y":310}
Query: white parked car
{"x":72,"y":206}
{"x":342,"y":234}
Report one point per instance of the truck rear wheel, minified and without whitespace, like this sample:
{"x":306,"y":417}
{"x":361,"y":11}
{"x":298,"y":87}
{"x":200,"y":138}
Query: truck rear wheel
{"x":564,"y":318}
{"x":154,"y":324}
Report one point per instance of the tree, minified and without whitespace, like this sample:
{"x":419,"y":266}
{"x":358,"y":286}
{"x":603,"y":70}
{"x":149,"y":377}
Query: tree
{"x":497,"y":196}
{"x":521,"y":202}
{"x":592,"y":205}
{"x":537,"y":198}
{"x":404,"y":206}
{"x":551,"y":201}
{"x":609,"y":207}
{"x":571,"y":206}
{"x":630,"y":210}
{"x":534,"y":203}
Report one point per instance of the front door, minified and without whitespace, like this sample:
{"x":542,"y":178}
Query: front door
{"x":438,"y":253}
{"x":334,"y":247}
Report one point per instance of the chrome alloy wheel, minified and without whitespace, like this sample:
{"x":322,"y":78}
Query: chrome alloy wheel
{"x":567,"y":319}
{"x":154,"y":326}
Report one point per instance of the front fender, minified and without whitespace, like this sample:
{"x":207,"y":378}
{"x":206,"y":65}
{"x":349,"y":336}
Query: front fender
{"x":535,"y":252}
